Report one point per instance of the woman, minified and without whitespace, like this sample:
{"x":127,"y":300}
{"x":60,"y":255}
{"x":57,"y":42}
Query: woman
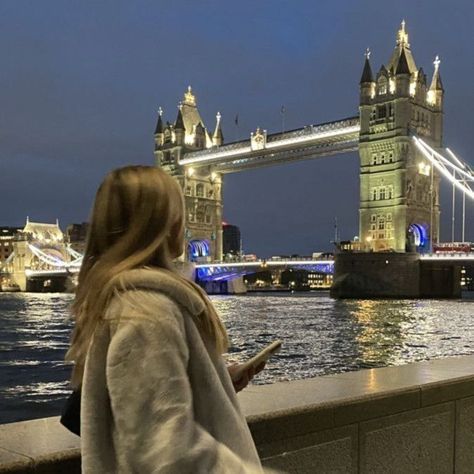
{"x":147,"y":344}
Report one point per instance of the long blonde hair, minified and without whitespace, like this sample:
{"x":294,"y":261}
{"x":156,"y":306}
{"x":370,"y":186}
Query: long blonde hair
{"x":137,"y":220}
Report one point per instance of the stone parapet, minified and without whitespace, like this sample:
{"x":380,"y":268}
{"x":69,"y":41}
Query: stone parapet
{"x":413,"y":418}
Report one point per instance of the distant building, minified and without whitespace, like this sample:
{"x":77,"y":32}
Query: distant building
{"x":7,"y":235}
{"x":319,"y":280}
{"x":76,"y":235}
{"x":295,"y":279}
{"x":231,"y":241}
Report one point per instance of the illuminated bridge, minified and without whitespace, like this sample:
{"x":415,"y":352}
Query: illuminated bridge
{"x":263,"y":150}
{"x":231,"y":270}
{"x":41,"y":259}
{"x":398,"y":134}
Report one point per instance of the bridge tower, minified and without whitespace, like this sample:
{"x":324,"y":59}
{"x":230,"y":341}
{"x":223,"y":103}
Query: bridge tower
{"x":399,"y":190}
{"x":202,"y":187}
{"x":39,"y":255}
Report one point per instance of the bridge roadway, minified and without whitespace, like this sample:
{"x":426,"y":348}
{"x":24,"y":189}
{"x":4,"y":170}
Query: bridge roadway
{"x":312,"y":141}
{"x":453,"y":257}
{"x":230,"y":270}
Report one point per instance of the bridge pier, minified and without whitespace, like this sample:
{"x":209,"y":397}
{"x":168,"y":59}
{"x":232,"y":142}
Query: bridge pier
{"x":225,"y":287}
{"x":394,"y":275}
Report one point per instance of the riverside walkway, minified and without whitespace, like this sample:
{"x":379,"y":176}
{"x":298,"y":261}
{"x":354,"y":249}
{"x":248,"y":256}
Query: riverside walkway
{"x":413,"y":418}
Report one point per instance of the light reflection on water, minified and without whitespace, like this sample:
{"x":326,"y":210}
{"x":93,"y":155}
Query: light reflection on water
{"x":320,"y":336}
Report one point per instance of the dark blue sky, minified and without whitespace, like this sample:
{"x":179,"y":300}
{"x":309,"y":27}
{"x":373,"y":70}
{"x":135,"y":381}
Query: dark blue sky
{"x":80,"y":83}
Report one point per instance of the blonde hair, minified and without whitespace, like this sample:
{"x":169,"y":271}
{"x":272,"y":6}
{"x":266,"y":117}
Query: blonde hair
{"x":137,"y":220}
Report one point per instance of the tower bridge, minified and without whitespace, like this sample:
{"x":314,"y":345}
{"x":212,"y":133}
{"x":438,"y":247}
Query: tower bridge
{"x":41,"y":259}
{"x":398,"y":133}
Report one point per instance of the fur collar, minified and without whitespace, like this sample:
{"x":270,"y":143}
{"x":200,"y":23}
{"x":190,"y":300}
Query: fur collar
{"x":162,"y":281}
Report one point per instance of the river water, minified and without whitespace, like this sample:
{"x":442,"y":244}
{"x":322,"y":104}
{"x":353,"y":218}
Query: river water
{"x":320,"y":336}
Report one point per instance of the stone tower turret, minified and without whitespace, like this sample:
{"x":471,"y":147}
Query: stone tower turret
{"x":202,"y":187}
{"x":399,"y":207}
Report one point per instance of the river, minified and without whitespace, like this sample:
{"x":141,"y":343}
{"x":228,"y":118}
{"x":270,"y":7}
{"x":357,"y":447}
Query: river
{"x":320,"y":336}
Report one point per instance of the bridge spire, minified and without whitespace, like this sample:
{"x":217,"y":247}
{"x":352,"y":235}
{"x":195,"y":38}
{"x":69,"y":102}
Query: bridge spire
{"x":159,"y":123}
{"x":218,"y":137}
{"x":367,"y":76}
{"x":436,"y":83}
{"x":435,"y":93}
{"x":402,"y":35}
{"x":179,"y":124}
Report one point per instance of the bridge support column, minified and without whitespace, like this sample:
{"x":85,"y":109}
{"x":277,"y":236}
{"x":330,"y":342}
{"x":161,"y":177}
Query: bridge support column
{"x":225,"y":287}
{"x":376,"y":275}
{"x":394,"y":275}
{"x":440,"y":280}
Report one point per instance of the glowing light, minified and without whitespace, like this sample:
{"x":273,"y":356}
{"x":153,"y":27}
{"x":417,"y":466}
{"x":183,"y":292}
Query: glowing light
{"x":456,"y":159}
{"x":431,"y":97}
{"x":189,"y":138}
{"x":442,"y":169}
{"x":391,"y":85}
{"x":190,"y":171}
{"x":424,"y":168}
{"x":444,"y":160}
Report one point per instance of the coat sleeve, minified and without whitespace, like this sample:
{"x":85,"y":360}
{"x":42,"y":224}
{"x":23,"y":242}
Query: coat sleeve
{"x":152,"y":401}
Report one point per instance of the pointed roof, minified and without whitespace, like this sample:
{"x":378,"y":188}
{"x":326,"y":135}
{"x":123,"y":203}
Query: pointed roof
{"x":436,"y":83}
{"x":382,"y":71}
{"x":159,"y":123}
{"x":367,"y":75}
{"x":190,"y":113}
{"x":402,"y":66}
{"x":218,"y":135}
{"x":421,"y":77}
{"x":179,"y":124}
{"x":402,"y":45}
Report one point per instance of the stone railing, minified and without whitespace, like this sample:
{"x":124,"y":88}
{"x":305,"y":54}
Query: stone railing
{"x":412,"y":418}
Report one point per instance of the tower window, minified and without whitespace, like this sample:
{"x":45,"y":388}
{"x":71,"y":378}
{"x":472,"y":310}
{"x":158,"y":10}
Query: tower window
{"x":382,"y":192}
{"x":200,"y":190}
{"x":381,"y":111}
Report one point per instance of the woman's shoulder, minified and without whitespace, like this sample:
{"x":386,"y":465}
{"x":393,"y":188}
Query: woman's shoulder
{"x":152,"y":293}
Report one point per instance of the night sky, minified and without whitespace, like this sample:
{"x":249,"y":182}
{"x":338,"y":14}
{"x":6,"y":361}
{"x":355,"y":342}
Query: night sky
{"x":81,"y":81}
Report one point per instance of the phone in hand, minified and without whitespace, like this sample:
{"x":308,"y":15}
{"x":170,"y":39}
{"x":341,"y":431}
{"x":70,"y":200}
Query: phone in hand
{"x":259,"y":358}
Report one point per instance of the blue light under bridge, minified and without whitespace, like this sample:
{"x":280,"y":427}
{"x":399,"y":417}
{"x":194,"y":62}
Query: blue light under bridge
{"x":232,"y":270}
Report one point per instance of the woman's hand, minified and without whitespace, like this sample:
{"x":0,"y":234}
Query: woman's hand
{"x":241,"y":379}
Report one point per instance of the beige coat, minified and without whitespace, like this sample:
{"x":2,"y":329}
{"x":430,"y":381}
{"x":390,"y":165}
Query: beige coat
{"x":154,"y":401}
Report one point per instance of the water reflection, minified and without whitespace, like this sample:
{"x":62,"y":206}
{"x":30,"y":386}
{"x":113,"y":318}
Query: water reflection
{"x":320,"y":336}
